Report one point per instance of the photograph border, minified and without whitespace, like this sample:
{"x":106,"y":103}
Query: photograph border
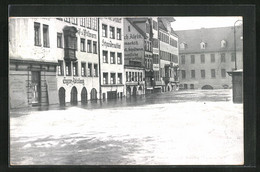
{"x":248,"y":13}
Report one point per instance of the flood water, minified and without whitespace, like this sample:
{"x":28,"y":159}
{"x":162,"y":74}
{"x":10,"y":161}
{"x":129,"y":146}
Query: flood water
{"x":188,"y":127}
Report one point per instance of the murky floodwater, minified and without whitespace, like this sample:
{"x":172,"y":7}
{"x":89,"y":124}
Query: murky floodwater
{"x":174,"y":128}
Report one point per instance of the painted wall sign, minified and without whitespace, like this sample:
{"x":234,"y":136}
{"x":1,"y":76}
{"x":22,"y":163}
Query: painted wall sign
{"x":110,"y":44}
{"x":85,"y":32}
{"x":73,"y":81}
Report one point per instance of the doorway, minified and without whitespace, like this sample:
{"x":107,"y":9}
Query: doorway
{"x":36,"y":87}
{"x":74,"y":96}
{"x":62,"y":96}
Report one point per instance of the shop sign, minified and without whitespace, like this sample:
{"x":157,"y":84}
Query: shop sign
{"x":73,"y":81}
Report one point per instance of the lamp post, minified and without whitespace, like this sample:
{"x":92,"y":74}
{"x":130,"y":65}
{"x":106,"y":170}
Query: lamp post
{"x":235,"y":51}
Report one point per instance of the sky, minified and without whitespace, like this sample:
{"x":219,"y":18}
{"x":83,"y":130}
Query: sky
{"x":186,"y":23}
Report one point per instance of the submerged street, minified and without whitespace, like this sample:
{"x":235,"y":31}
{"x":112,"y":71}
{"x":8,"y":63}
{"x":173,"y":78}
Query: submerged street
{"x":188,"y":127}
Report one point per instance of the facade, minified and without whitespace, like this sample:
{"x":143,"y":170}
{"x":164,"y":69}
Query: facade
{"x":111,"y":58}
{"x":53,"y":61}
{"x":78,"y":62}
{"x":169,"y":61}
{"x":206,"y":55}
{"x":134,"y":62}
{"x":32,"y":62}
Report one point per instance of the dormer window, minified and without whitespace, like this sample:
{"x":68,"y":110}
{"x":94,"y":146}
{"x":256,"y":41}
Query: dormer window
{"x":202,"y":45}
{"x":223,"y":44}
{"x":183,"y":46}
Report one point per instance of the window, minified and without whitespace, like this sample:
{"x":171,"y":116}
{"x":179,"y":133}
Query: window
{"x":112,"y":32}
{"x":75,"y":69}
{"x":112,"y":58}
{"x":183,"y":46}
{"x":94,"y":47}
{"x":233,"y":57}
{"x":105,"y":78}
{"x":104,"y":30}
{"x":82,"y":45}
{"x":37,"y":34}
{"x":183,"y":74}
{"x":83,"y":69}
{"x":119,"y":58}
{"x":94,"y":23}
{"x":95,"y":70}
{"x":105,"y":57}
{"x":67,"y":20}
{"x":59,"y":40}
{"x":212,"y":58}
{"x":183,"y":59}
{"x":130,"y":77}
{"x":68,"y":69}
{"x":213,"y":73}
{"x":88,"y":22}
{"x":223,"y":73}
{"x":119,"y":78}
{"x":202,"y":58}
{"x":74,"y":21}
{"x":82,"y":22}
{"x":202,"y":45}
{"x":155,"y":25}
{"x":45,"y":35}
{"x":129,"y":29}
{"x":192,"y":73}
{"x":126,"y":74}
{"x":223,"y":57}
{"x":118,"y":34}
{"x":112,"y":78}
{"x":141,"y":76}
{"x":60,"y":67}
{"x":89,"y":48}
{"x":202,"y":73}
{"x":223,"y":44}
{"x":135,"y":76}
{"x":192,"y":59}
{"x":89,"y":69}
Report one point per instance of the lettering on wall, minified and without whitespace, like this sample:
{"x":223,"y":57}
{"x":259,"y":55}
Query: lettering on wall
{"x":86,"y":33}
{"x":110,"y":44}
{"x":118,"y":20}
{"x":134,"y":46}
{"x":73,"y":81}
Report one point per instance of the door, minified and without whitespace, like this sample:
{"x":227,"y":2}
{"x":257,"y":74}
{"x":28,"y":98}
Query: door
{"x":134,"y":91}
{"x":74,"y":96}
{"x":36,"y":87}
{"x":62,"y":96}
{"x":84,"y":96}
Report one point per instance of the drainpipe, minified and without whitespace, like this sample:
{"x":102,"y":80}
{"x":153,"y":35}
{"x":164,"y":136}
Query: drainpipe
{"x":99,"y":63}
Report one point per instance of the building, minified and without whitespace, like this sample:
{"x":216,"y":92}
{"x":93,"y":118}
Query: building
{"x":134,"y":62}
{"x":144,"y":27}
{"x":32,"y":62}
{"x":169,"y":55}
{"x":111,"y":49}
{"x":206,"y":55}
{"x":77,"y":53}
{"x":53,"y":60}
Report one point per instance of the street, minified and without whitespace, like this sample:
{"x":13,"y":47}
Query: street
{"x":188,"y":127}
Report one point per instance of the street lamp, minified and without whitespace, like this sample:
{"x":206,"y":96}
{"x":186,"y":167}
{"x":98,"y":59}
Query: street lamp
{"x":235,"y":52}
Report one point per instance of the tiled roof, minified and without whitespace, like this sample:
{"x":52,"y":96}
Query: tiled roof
{"x":212,"y":37}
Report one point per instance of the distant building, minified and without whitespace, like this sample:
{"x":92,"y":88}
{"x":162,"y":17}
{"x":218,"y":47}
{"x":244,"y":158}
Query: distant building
{"x":111,"y":39}
{"x":169,"y":55}
{"x":206,"y":55}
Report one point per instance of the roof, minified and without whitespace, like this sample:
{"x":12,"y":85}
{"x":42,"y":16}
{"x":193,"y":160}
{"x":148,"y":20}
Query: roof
{"x":136,"y":27}
{"x":212,"y":37}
